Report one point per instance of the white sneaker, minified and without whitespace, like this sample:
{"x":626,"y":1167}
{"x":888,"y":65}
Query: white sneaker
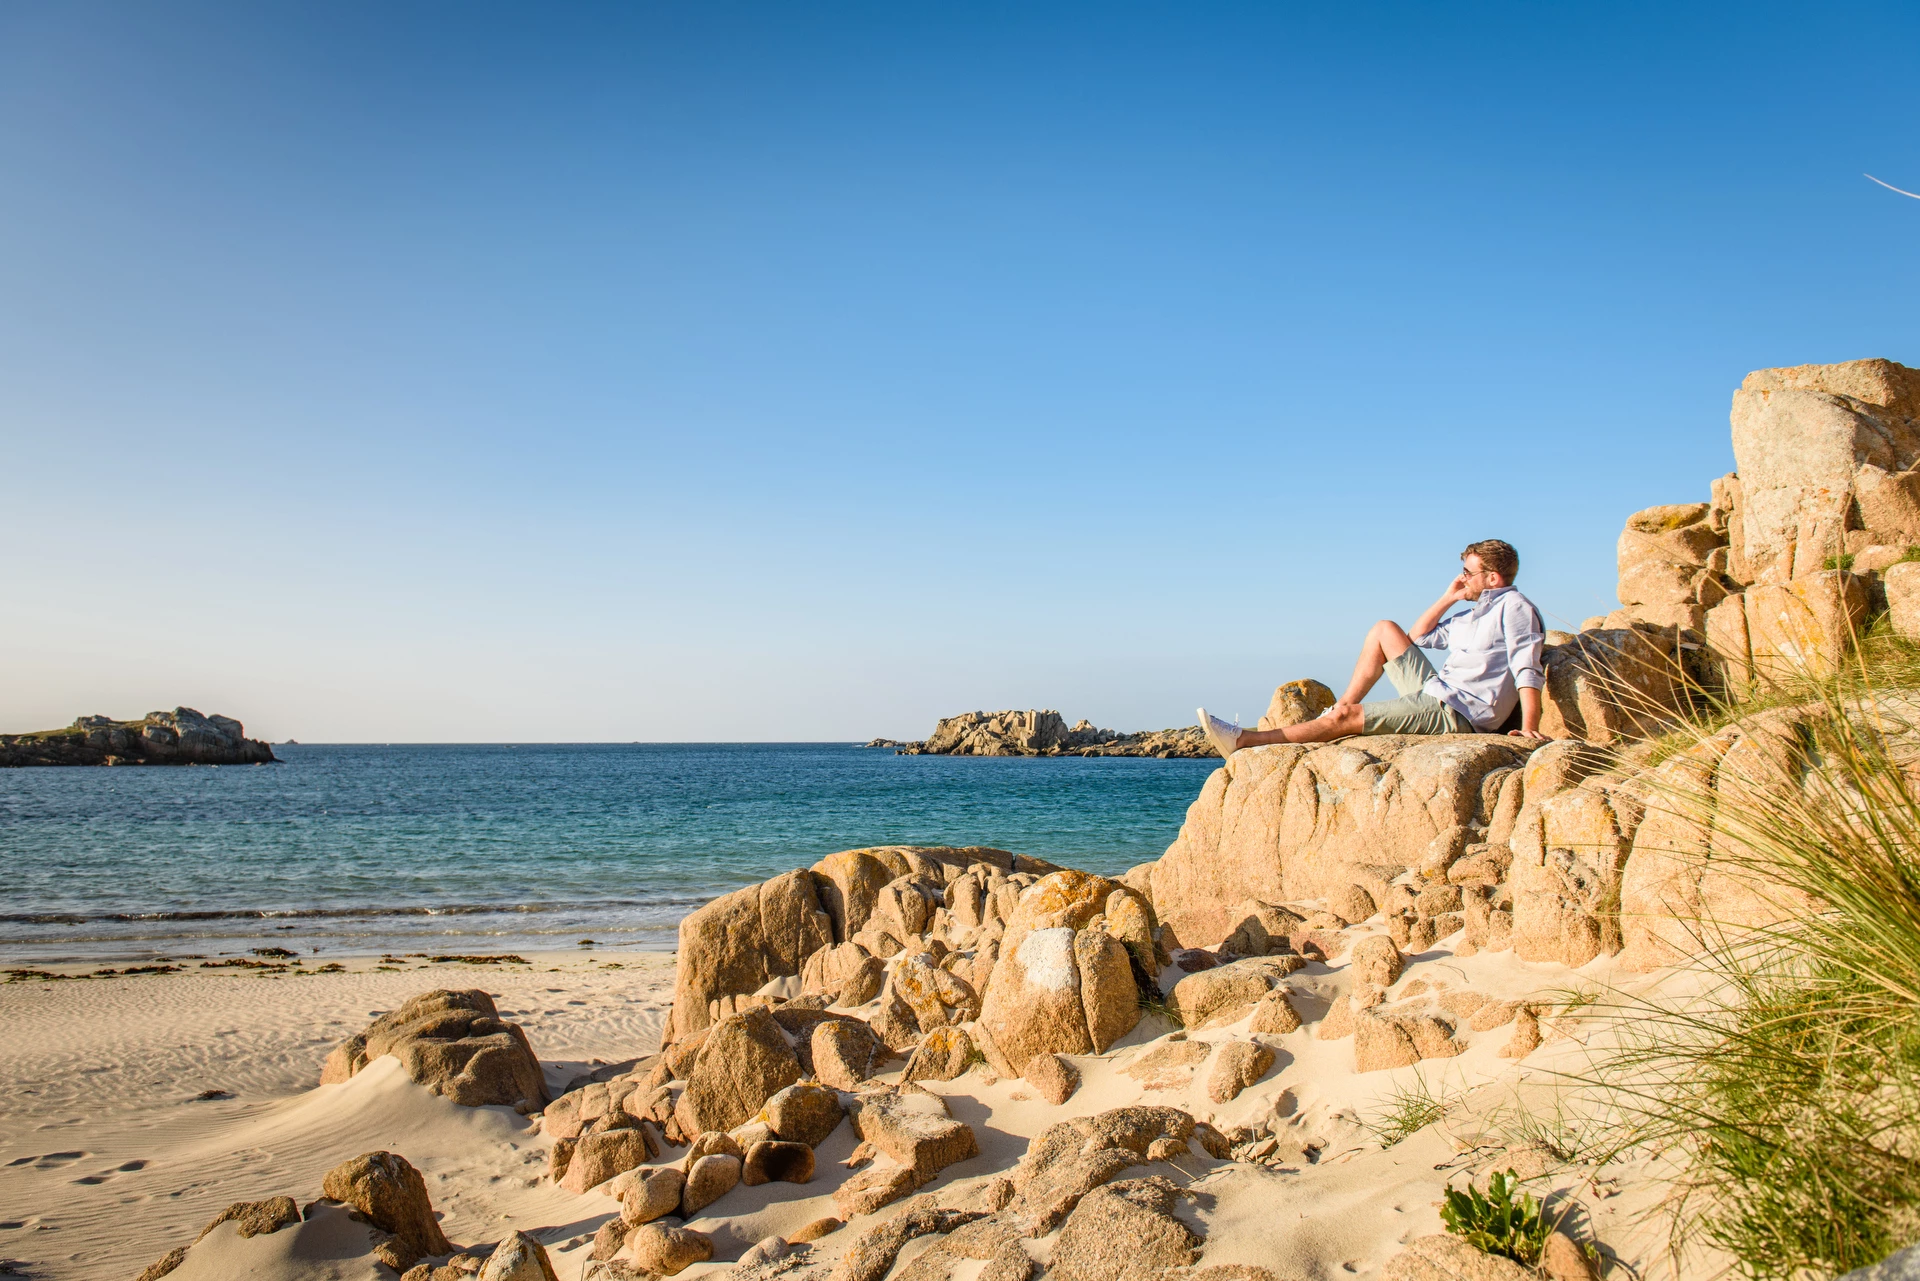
{"x":1224,"y":737}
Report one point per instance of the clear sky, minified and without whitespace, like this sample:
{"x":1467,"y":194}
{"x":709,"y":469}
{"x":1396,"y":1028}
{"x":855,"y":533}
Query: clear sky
{"x":436,"y":371}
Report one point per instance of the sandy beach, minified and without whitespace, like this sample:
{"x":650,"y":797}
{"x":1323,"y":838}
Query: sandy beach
{"x":110,"y":1156}
{"x":137,"y":1108}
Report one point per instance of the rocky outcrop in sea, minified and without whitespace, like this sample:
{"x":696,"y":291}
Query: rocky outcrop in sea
{"x":179,"y":737}
{"x":1045,"y":733}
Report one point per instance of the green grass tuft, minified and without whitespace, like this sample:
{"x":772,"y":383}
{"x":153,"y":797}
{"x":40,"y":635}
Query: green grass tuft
{"x":1409,"y":1110}
{"x":1154,"y":1004}
{"x":1569,"y":1128}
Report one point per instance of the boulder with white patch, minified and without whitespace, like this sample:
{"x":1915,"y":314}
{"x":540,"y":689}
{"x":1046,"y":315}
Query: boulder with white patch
{"x":1063,"y":983}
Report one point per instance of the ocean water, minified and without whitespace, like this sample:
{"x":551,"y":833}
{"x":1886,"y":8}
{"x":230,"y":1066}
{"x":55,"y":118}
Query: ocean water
{"x":488,"y":848}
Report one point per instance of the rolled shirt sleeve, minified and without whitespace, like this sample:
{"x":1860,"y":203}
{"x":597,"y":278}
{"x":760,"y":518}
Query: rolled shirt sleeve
{"x":1437,"y":638}
{"x":1526,"y":643}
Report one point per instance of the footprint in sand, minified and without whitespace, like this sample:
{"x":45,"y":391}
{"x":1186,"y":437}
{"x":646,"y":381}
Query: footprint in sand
{"x":125,"y":1167}
{"x":52,"y":1160}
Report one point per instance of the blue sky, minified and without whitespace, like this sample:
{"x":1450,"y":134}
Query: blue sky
{"x":766,"y":371}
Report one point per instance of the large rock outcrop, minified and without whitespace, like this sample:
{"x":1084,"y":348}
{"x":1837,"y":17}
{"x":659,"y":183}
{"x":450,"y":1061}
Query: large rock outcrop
{"x":1779,"y":570}
{"x":1610,"y":857}
{"x":1301,"y":821}
{"x":1577,"y":852}
{"x":738,"y":942}
{"x":1672,"y":563}
{"x":179,"y":737}
{"x":1538,"y":840}
{"x":1564,"y":853}
{"x":1570,"y":847}
{"x":453,"y":1042}
{"x":1519,"y":846}
{"x":1684,"y":886}
{"x":827,"y":925}
{"x":1822,"y":451}
{"x":1612,"y":685}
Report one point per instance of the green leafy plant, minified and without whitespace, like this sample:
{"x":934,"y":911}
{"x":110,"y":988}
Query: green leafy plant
{"x":1843,"y":561}
{"x":1913,"y":553}
{"x":1496,"y":1223}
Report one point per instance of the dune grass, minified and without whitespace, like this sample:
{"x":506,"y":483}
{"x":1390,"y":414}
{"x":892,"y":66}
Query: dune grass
{"x":1791,"y":1090}
{"x":1882,"y":661}
{"x":1407,"y":1111}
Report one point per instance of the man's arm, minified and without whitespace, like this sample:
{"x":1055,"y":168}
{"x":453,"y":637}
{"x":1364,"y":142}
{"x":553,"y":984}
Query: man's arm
{"x":1529,"y":712}
{"x":1423,"y":627}
{"x":1526,"y":646}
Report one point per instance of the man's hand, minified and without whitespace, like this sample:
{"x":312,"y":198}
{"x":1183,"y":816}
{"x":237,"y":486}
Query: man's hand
{"x":1455,"y":593}
{"x":1533,"y":736}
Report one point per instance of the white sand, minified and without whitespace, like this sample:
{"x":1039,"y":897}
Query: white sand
{"x":105,"y":1164}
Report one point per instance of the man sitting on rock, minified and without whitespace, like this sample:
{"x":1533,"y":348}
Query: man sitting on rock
{"x":1493,"y":666}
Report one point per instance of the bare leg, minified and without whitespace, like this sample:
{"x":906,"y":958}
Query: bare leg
{"x":1341,"y":722}
{"x":1386,"y":640}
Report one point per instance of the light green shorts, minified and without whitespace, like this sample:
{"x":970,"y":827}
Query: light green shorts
{"x":1414,"y":712}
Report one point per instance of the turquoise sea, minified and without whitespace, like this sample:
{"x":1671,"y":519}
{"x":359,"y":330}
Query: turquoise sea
{"x":494,"y":847}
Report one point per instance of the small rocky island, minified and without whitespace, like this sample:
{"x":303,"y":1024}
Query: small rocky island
{"x":1044,"y":733}
{"x":179,"y":737}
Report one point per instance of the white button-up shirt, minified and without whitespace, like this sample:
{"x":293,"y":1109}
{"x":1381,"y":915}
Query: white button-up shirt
{"x":1494,"y":653}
